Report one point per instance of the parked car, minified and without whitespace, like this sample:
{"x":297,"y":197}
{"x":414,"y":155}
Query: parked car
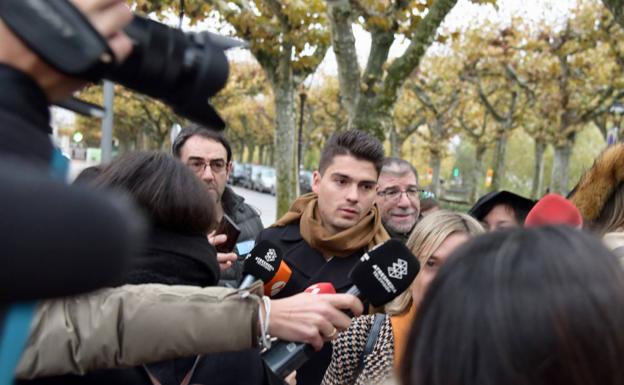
{"x":305,"y":181}
{"x":237,"y":175}
{"x":264,"y":179}
{"x":246,"y":178}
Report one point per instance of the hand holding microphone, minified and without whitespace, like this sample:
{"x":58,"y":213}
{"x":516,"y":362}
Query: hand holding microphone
{"x":311,"y":318}
{"x":303,"y":317}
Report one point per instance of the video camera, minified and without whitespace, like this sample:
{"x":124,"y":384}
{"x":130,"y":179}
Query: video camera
{"x":182,"y":69}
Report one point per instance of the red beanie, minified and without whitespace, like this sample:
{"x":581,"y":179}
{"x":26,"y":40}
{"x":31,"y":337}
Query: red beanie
{"x":554,"y":209}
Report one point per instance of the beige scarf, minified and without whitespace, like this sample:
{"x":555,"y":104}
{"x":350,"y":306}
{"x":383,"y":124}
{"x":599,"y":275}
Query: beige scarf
{"x":367,"y":233}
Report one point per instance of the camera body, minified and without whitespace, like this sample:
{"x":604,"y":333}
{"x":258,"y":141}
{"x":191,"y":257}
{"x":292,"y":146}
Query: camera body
{"x":182,"y":69}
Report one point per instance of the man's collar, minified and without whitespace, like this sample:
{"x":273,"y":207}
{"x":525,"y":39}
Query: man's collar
{"x":230,"y":200}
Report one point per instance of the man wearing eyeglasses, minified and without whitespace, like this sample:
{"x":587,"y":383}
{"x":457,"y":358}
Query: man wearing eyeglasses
{"x":209,"y":155}
{"x":398,"y":197}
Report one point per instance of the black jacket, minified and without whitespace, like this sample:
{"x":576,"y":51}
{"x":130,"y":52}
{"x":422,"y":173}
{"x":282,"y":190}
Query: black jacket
{"x":309,"y":267}
{"x":24,"y":119}
{"x":248,"y":221}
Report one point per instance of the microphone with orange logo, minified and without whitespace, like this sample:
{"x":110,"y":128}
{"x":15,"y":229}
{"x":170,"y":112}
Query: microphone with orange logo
{"x":261,"y":263}
{"x":279,"y":281}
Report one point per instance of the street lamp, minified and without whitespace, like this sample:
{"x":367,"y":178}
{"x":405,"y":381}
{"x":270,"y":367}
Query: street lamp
{"x":617,"y":110}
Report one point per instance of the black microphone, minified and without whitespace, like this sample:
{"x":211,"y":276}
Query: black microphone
{"x":60,"y":240}
{"x":261,"y":263}
{"x":380,"y":276}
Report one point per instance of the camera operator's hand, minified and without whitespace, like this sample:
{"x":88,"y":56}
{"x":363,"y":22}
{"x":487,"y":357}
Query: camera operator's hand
{"x":312,"y":318}
{"x":108,"y":17}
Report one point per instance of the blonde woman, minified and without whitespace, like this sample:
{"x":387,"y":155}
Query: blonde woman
{"x":434,"y":238}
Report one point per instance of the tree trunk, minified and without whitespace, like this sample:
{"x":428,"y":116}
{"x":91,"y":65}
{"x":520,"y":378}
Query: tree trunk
{"x":435,"y":163}
{"x":561,"y":168}
{"x":478,"y":173}
{"x":343,"y":44}
{"x":395,"y":146}
{"x":251,"y":148}
{"x":239,"y":154}
{"x":382,"y":87}
{"x":285,"y":139}
{"x":261,"y":154}
{"x":538,"y":169}
{"x":500,"y":154}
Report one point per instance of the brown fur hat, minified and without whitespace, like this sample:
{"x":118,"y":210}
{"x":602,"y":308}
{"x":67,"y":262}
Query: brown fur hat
{"x":599,"y":182}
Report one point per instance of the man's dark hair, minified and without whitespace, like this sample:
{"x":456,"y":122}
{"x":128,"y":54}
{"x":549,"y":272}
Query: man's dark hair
{"x":403,"y":166}
{"x":169,"y":193}
{"x":522,"y":306}
{"x":355,"y":143}
{"x":195,"y":130}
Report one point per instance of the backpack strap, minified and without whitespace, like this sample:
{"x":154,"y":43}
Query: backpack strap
{"x":373,"y":334}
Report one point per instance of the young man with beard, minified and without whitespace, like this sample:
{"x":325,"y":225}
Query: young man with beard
{"x":398,"y":197}
{"x":209,"y":155}
{"x":325,"y":232}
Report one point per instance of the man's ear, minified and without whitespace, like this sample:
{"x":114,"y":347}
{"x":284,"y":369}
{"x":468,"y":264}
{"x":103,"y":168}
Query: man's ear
{"x":316,"y":181}
{"x":229,"y":169}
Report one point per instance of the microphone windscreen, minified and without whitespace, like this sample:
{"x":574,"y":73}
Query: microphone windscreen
{"x":321,"y":288}
{"x":554,"y":209}
{"x":279,"y":281}
{"x":385,"y":272}
{"x":60,"y":240}
{"x":263,"y":261}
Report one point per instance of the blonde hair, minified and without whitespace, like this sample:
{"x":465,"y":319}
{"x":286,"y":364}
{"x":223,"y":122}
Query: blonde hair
{"x":427,"y":236}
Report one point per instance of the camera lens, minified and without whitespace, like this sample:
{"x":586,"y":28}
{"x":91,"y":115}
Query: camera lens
{"x":183,"y":70}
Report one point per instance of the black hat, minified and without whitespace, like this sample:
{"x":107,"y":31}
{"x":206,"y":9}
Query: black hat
{"x":484,"y":205}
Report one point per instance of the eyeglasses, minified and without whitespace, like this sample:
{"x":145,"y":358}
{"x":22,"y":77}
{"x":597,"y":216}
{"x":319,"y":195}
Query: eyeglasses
{"x":198,"y":166}
{"x":394,"y":194}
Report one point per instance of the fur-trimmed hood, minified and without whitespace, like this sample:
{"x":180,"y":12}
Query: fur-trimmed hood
{"x":598,"y":184}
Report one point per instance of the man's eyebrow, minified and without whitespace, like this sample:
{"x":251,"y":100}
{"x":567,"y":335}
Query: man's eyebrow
{"x":196,"y":158}
{"x":340,"y":175}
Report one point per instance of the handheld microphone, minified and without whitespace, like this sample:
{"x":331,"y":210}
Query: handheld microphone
{"x":554,"y":209}
{"x":261,"y":263}
{"x":381,"y":275}
{"x":321,"y":288}
{"x":279,"y":281}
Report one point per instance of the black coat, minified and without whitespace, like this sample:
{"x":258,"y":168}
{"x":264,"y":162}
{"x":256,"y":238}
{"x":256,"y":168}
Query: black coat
{"x":309,"y":267}
{"x":248,"y":221}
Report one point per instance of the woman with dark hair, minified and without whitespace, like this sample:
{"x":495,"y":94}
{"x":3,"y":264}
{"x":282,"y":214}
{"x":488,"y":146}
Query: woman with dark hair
{"x":539,"y":306}
{"x":180,"y":213}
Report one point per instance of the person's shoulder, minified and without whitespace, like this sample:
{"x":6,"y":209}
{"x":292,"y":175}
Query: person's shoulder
{"x":275,"y":233}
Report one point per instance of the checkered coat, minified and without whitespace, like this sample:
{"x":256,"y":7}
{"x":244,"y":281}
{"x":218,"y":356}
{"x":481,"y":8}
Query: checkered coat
{"x":347,"y":348}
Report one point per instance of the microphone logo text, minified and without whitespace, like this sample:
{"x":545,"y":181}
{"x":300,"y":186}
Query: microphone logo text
{"x":383,"y":280}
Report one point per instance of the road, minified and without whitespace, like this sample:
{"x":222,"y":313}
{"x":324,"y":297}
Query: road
{"x":264,"y":203}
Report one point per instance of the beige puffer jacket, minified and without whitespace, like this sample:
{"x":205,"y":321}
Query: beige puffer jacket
{"x":137,"y":324}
